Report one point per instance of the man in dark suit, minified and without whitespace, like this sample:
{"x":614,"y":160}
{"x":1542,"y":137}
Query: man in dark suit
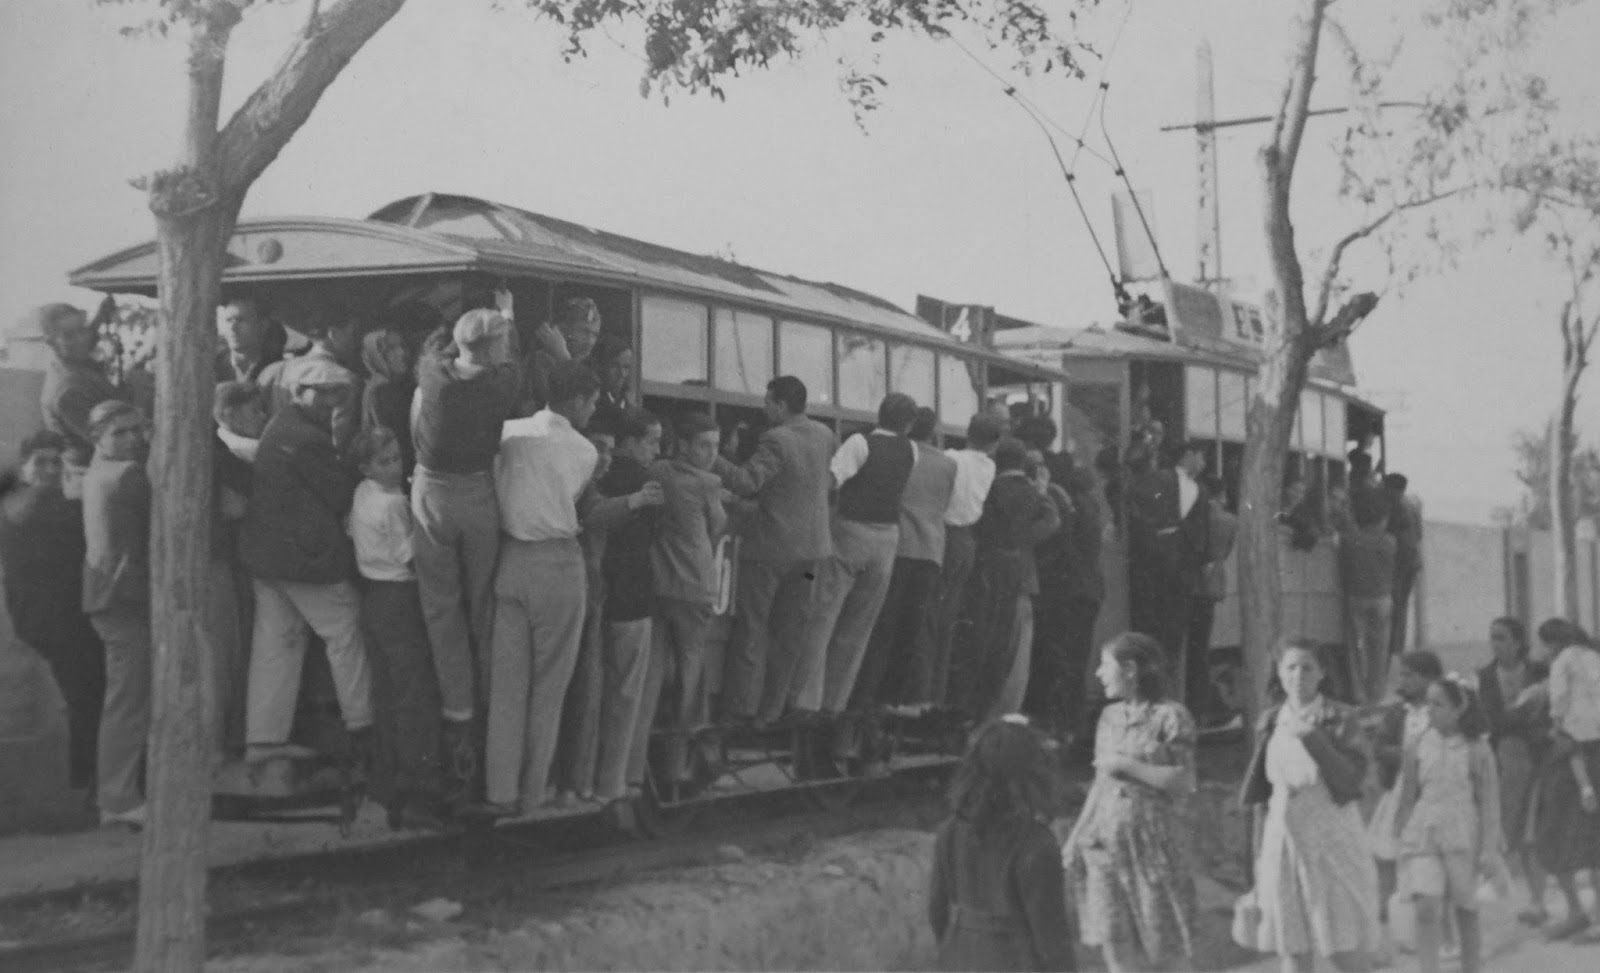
{"x":784,"y":542}
{"x":1168,"y":545}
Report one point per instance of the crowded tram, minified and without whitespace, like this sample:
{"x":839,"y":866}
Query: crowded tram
{"x":676,"y":345}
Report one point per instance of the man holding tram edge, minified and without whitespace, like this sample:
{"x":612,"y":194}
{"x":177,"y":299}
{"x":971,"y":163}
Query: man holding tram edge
{"x":784,"y":544}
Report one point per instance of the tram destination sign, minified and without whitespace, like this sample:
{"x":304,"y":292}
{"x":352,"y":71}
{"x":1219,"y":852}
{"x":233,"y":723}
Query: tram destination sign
{"x":1220,"y":323}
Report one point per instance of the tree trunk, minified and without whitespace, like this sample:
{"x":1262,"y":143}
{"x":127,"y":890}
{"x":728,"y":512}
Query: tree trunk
{"x":196,"y":205}
{"x":194,"y":219}
{"x":1282,"y":376}
{"x":172,"y":876}
{"x":1269,"y":426}
{"x":1563,"y":513}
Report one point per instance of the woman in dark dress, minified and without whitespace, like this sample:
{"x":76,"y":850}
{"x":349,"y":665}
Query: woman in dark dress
{"x":1518,"y":731}
{"x":41,"y":548}
{"x":998,"y":895}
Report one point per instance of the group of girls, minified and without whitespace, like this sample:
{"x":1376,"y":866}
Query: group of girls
{"x":1463,"y":779}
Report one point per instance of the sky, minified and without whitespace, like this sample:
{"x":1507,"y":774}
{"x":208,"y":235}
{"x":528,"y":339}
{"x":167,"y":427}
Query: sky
{"x":949,"y":189}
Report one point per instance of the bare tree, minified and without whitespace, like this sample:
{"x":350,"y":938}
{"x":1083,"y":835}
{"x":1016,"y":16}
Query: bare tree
{"x":1445,"y":150}
{"x":687,"y":44}
{"x":1533,"y":455}
{"x":1578,"y":325}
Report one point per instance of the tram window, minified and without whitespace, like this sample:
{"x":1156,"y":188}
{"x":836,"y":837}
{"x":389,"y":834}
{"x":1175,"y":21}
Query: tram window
{"x":1200,"y":402}
{"x":1233,"y":390}
{"x":958,"y":391}
{"x":863,"y":379}
{"x":673,"y":341}
{"x":1157,"y":394}
{"x":911,"y":371}
{"x":1333,"y":427}
{"x":806,"y":352}
{"x":743,"y":351}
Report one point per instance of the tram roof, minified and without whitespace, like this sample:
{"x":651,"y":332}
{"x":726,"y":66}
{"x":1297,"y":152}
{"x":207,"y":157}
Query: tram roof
{"x":1100,"y":342}
{"x":442,"y":233}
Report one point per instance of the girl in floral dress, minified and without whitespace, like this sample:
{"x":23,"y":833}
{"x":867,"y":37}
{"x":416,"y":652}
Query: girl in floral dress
{"x":1316,"y":885}
{"x":1448,"y":823}
{"x":1127,"y":858}
{"x":1404,"y":720}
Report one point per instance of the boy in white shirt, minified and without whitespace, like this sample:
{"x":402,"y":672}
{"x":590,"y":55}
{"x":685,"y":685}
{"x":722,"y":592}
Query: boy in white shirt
{"x":405,"y":688}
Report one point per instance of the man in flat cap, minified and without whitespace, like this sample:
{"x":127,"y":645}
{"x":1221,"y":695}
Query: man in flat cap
{"x":293,"y":545}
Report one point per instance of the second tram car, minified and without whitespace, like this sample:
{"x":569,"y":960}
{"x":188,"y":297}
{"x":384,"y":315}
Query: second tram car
{"x":1187,"y":367}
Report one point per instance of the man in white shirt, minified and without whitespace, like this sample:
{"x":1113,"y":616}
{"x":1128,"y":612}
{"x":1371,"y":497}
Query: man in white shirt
{"x":974,"y":475}
{"x":543,"y":466}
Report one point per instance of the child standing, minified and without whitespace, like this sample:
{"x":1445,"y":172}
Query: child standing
{"x":1447,"y":827}
{"x":1403,"y":722}
{"x":684,"y":567}
{"x":404,"y":686}
{"x":997,"y":897}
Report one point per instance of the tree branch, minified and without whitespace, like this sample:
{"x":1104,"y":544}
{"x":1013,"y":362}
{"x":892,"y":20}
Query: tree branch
{"x":1330,"y":273}
{"x":263,"y":125}
{"x":1354,"y":311}
{"x":1290,"y":127}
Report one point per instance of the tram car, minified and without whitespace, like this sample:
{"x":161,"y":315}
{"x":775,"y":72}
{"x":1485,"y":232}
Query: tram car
{"x":708,"y":334}
{"x":1184,"y":367}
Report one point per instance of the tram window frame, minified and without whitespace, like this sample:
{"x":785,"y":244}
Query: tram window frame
{"x":1226,"y":416}
{"x":860,"y":359}
{"x":742,"y":322}
{"x":953,"y":412}
{"x":820,"y":393}
{"x":901,"y":360}
{"x":1195,"y":376}
{"x":650,"y":363}
{"x":1333,"y":431}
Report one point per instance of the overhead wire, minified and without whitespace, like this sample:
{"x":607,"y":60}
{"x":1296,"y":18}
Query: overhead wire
{"x":1045,"y":123}
{"x":1102,"y":99}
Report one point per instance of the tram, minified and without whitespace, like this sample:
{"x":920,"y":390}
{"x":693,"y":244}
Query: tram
{"x":707,"y":333}
{"x":1188,"y":364}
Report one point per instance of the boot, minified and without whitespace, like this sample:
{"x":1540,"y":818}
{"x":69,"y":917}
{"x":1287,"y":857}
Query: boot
{"x":356,"y":770}
{"x":460,"y":754}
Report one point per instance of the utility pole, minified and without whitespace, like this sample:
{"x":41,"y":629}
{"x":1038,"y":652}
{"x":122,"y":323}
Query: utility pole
{"x":1208,"y":225}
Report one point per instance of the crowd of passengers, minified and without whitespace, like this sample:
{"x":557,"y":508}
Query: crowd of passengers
{"x":512,"y":567}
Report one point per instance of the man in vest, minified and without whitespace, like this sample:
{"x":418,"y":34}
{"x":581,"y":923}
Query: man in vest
{"x":870,"y":472}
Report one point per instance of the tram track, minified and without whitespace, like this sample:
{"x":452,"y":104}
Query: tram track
{"x":474,"y":869}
